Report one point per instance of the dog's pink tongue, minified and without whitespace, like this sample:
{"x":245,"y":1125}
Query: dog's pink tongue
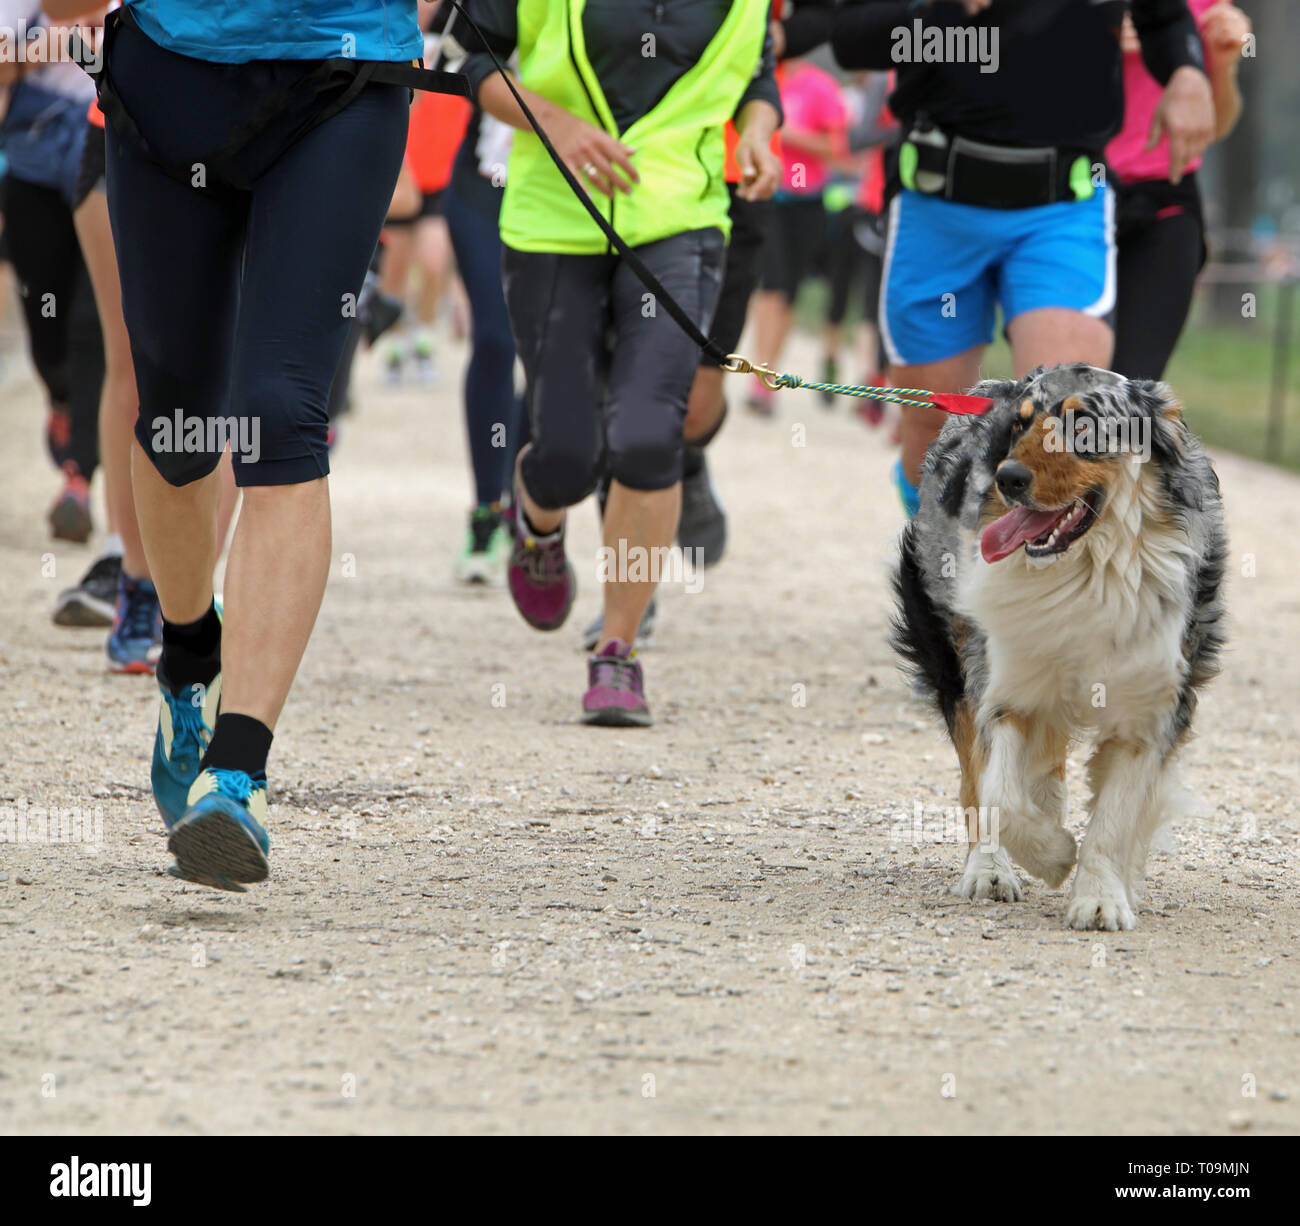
{"x":1007,"y":534}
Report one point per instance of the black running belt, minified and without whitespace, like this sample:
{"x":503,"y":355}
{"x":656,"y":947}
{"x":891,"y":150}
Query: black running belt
{"x":349,"y":76}
{"x":707,"y":345}
{"x":354,"y":75}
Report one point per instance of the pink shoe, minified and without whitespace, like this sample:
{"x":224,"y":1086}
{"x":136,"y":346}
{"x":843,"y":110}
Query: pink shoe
{"x":616,"y":689}
{"x":70,"y":515}
{"x":872,"y":412}
{"x":541,"y":581}
{"x":759,"y":398}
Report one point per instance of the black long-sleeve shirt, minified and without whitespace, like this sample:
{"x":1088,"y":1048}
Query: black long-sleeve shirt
{"x":1059,"y":75}
{"x":614,"y":32}
{"x":807,"y":24}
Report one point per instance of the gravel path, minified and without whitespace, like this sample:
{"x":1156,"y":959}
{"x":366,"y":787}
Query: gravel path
{"x":485,"y":917}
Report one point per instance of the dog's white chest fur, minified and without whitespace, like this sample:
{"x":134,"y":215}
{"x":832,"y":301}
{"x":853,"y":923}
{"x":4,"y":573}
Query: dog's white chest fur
{"x":1092,"y":640}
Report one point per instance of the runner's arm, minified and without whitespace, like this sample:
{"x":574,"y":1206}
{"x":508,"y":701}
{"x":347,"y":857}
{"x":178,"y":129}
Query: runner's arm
{"x":65,"y":10}
{"x":863,"y":31}
{"x":1224,"y":34}
{"x":598,"y":159}
{"x":862,"y":34}
{"x":872,"y":129}
{"x":760,"y":168}
{"x":809,"y":24}
{"x":763,"y":87}
{"x":1168,"y":35}
{"x":497,"y":21}
{"x":1172,"y":53}
{"x":59,"y":16}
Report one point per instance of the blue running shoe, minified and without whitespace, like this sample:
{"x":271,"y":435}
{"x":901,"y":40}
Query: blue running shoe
{"x":185,"y":725}
{"x":221,"y":840}
{"x":908,"y":494}
{"x":135,"y":642}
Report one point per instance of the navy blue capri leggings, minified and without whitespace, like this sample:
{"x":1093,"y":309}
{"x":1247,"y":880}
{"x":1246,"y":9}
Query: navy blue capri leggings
{"x":238,"y":302}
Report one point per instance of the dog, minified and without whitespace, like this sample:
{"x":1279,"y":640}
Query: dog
{"x":1061,"y":581}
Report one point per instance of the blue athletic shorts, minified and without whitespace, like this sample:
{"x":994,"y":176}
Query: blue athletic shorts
{"x":949,"y":266}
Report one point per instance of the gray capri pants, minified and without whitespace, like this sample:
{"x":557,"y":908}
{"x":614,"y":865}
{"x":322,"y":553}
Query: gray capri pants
{"x":608,"y":371}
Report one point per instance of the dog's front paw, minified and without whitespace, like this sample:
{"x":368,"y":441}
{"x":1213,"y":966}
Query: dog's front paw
{"x":988,"y":874}
{"x":1099,"y":901}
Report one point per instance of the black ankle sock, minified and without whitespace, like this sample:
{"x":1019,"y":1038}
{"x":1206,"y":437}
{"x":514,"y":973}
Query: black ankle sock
{"x":192,"y":650}
{"x":532,"y":528}
{"x":239,"y":743}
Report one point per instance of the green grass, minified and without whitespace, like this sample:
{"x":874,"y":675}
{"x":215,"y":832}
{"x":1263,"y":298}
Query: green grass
{"x":1221,"y":374}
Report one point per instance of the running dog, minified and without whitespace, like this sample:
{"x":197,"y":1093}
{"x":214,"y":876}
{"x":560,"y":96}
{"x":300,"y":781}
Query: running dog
{"x":1062,"y":581}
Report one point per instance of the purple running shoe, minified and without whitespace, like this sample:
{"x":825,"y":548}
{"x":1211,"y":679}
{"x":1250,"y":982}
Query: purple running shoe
{"x":542,"y":583}
{"x":615,"y":695}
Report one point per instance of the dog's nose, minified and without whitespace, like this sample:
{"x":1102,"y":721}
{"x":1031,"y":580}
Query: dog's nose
{"x":1013,"y":479}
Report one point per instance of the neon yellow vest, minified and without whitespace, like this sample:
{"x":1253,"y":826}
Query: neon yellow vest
{"x":679,"y":143}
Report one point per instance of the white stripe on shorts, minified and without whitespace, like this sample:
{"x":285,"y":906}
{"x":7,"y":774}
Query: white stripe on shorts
{"x":1106,"y":302}
{"x":882,"y":314}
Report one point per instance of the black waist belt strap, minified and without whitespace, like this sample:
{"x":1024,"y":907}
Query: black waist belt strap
{"x":354,"y":75}
{"x":993,"y":176}
{"x":346,"y":76}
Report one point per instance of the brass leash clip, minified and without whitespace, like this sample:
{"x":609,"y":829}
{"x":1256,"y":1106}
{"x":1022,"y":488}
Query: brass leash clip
{"x":738,"y":365}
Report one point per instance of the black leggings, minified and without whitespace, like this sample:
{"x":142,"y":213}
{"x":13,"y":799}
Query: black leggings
{"x":239,"y":303}
{"x":493,"y":411}
{"x":796,"y":244}
{"x":608,"y":370}
{"x":63,"y":331}
{"x":1161,"y":244}
{"x":845,"y":259}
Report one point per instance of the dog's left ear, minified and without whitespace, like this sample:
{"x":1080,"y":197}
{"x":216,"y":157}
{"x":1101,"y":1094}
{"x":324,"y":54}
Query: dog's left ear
{"x":1171,"y":441}
{"x":1156,"y":397}
{"x":1158,"y":400}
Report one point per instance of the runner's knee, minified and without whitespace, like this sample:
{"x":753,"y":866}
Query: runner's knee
{"x":562,"y":475}
{"x":646,"y":462}
{"x":171,"y":425}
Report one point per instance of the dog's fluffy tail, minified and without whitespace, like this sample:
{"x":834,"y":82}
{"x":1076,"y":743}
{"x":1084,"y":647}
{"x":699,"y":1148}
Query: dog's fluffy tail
{"x":921,"y":634}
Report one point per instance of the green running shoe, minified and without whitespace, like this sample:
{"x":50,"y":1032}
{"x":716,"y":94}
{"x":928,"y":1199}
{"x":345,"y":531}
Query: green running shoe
{"x":485,"y":549}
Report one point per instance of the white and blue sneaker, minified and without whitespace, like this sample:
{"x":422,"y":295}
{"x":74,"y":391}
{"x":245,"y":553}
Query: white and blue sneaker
{"x":186,"y":721}
{"x":135,"y":642}
{"x":221,"y":841}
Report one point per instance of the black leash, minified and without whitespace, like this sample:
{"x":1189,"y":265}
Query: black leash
{"x":345,"y":77}
{"x":355,"y":75}
{"x":732,"y":363}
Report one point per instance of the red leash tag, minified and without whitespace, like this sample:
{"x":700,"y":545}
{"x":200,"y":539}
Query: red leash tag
{"x":964,"y":405}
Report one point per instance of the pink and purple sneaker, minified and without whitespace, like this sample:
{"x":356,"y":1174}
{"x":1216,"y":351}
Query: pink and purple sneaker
{"x":541,"y":581}
{"x":615,"y":694}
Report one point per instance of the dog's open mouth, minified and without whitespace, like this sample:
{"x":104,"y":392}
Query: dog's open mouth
{"x":1042,"y":533}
